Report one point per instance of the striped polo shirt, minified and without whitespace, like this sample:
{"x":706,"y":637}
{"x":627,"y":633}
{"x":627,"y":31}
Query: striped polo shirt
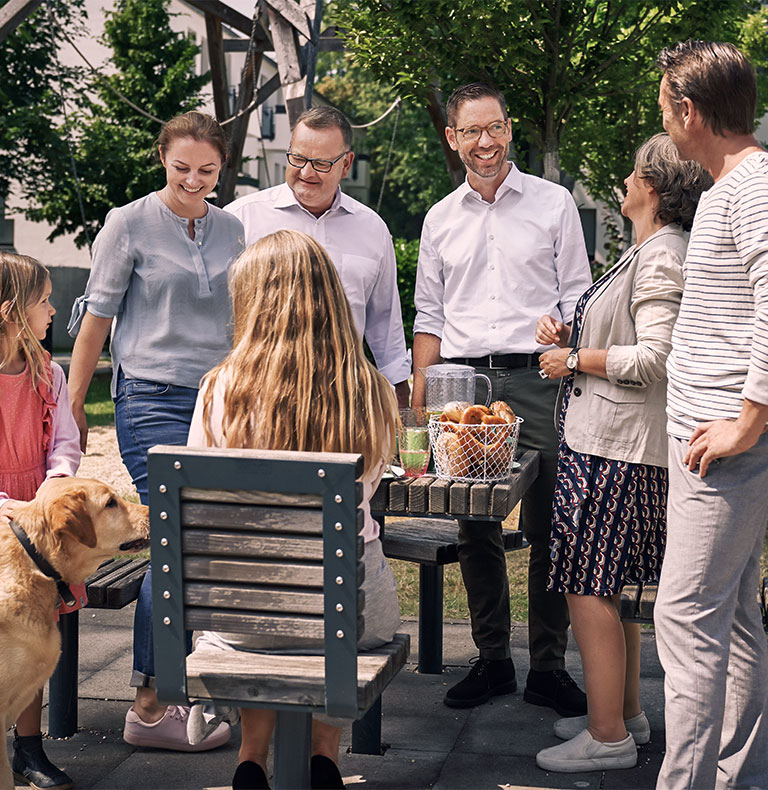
{"x":720,"y":342}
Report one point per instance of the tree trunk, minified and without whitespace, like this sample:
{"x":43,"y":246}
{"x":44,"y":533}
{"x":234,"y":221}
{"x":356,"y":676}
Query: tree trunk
{"x":452,"y":162}
{"x":550,"y":157}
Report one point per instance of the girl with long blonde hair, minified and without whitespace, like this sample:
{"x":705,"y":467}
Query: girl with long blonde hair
{"x":297,"y":379}
{"x":38,"y":439}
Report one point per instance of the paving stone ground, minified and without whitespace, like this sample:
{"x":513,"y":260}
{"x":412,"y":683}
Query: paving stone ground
{"x":429,"y":745}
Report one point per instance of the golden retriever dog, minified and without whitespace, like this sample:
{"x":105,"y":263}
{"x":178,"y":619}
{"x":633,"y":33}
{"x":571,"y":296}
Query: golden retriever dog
{"x":75,"y":524}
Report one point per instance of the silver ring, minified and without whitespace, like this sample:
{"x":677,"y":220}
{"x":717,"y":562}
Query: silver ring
{"x":543,"y":374}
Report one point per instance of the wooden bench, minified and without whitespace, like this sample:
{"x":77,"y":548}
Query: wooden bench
{"x":637,"y":602}
{"x":432,"y":543}
{"x":264,"y":543}
{"x":114,"y":585}
{"x":419,"y":524}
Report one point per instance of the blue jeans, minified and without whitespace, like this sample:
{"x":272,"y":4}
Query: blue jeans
{"x":148,"y":413}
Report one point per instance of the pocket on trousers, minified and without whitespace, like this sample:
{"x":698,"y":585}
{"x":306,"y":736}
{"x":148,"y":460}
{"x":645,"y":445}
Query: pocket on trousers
{"x":139,"y":388}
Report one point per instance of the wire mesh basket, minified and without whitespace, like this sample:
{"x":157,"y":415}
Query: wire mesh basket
{"x":473,"y":453}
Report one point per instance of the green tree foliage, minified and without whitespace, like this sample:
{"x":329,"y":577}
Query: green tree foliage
{"x":579,"y":75}
{"x":416,"y":176}
{"x":29,"y":101}
{"x":113,"y":144}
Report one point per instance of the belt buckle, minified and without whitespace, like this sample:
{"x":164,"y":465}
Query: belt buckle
{"x":491,"y":366}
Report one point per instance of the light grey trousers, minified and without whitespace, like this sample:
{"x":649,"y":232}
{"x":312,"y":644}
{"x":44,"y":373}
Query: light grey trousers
{"x":710,"y":636}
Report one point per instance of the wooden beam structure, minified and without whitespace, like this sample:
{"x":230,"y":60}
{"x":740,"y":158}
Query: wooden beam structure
{"x":13,"y":13}
{"x":218,"y":67}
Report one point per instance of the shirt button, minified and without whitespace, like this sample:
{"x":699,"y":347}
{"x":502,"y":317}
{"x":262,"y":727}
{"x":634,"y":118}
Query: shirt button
{"x":199,"y":243}
{"x":491,"y":267}
{"x":493,"y":296}
{"x":577,"y":391}
{"x":493,"y":326}
{"x":491,"y":238}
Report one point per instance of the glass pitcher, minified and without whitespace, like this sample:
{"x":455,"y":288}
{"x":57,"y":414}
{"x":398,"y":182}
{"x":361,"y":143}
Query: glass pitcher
{"x":450,"y":382}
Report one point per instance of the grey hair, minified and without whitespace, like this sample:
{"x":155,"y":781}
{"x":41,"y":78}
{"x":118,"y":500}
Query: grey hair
{"x":327,"y":118}
{"x":677,"y":183}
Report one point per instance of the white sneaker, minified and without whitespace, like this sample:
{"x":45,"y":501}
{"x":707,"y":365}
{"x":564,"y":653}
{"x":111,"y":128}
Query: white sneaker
{"x":584,"y":753}
{"x":638,"y":727}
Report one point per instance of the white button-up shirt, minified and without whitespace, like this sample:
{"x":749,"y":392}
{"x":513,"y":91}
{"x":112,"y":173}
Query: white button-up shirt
{"x":358,"y":242}
{"x":488,"y":271}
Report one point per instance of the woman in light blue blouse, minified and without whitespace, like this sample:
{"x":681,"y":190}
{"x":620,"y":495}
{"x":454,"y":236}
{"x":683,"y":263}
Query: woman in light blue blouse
{"x":159,"y":271}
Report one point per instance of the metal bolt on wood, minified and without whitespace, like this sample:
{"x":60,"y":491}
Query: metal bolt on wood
{"x":166,"y":594}
{"x":340,"y":634}
{"x":339,"y":607}
{"x":338,"y":498}
{"x":177,"y":464}
{"x":166,"y":621}
{"x":338,"y":527}
{"x":162,"y":489}
{"x":163,"y":515}
{"x":321,"y":472}
{"x":163,"y":541}
{"x":339,"y":580}
{"x":339,"y":553}
{"x":166,"y":569}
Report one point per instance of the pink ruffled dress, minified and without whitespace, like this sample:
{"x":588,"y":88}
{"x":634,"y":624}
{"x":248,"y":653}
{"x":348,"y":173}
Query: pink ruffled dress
{"x":26,"y":433}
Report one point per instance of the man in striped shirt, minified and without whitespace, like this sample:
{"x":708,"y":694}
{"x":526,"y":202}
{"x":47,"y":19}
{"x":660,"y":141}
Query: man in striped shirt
{"x":710,"y":637}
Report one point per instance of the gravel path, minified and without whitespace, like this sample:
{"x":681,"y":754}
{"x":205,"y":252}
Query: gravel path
{"x":103,"y":462}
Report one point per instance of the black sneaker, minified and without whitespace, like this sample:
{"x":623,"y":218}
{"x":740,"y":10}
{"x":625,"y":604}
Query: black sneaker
{"x":31,"y":765}
{"x":486,"y":679}
{"x":555,"y":689}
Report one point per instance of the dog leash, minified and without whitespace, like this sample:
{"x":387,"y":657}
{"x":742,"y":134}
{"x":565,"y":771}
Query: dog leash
{"x":65,"y":593}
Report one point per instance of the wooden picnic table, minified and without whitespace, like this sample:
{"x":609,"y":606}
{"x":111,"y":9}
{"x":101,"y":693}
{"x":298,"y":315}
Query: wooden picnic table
{"x":419,"y":518}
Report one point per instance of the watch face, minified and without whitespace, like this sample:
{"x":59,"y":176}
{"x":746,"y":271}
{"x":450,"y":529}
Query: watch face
{"x":571,"y":361}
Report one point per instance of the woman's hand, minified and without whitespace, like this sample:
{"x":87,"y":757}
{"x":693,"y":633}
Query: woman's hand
{"x":551,"y":332}
{"x":78,"y":412}
{"x":552,"y":363}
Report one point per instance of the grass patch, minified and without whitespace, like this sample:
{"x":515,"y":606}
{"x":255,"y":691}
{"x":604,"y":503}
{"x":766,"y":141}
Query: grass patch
{"x":454,"y":594}
{"x":99,"y":408}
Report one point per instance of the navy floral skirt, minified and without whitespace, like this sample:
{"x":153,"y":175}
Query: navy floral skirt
{"x":609,"y":517}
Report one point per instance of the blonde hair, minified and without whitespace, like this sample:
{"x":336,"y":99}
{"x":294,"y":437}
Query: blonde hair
{"x":22,"y":280}
{"x":297,"y":377}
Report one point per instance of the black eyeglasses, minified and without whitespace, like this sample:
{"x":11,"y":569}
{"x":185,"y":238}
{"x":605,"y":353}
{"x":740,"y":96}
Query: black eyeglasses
{"x":472,"y":133}
{"x":320,"y":165}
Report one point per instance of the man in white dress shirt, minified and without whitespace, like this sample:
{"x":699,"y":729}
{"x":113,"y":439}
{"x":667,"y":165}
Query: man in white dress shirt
{"x":498,"y":252}
{"x":356,"y":238}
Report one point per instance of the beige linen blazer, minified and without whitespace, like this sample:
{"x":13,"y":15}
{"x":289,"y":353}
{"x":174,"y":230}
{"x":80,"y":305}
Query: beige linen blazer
{"x":623,"y":417}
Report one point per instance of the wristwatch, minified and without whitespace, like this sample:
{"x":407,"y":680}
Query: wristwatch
{"x":572,"y":360}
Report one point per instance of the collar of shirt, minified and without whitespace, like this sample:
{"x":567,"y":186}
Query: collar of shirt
{"x":512,"y":183}
{"x":287,"y":200}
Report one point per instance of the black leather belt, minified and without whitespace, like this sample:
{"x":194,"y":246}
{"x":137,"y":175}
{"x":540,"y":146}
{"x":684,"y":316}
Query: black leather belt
{"x":499,"y":361}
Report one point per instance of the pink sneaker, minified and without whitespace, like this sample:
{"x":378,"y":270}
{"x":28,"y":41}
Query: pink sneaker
{"x":170,"y":732}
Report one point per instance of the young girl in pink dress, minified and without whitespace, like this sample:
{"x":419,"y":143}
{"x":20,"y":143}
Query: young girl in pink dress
{"x":38,"y":439}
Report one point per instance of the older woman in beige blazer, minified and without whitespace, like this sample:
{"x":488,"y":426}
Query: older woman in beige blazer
{"x":610,"y":498}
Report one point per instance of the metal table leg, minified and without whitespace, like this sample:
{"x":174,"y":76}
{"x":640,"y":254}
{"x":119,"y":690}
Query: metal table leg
{"x":431,"y":619}
{"x":62,"y":689}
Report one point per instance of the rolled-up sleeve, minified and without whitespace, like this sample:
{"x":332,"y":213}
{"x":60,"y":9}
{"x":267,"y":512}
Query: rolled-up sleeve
{"x":656,"y":297}
{"x":384,"y":320}
{"x":430,"y":287}
{"x":111,"y":267}
{"x":571,"y":262}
